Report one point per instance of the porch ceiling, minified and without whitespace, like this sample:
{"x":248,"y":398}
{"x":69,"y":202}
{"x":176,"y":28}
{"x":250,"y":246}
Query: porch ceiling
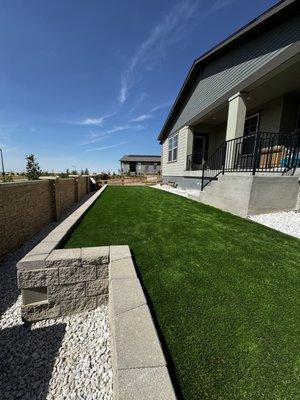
{"x":284,"y":79}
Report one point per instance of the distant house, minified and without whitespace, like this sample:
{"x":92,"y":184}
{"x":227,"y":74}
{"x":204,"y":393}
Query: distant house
{"x":140,"y":164}
{"x":234,"y":129}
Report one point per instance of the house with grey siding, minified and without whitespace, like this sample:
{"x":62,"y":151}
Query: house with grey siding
{"x":140,"y":164}
{"x":233,"y":130}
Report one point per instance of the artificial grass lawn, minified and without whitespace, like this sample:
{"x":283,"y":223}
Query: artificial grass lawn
{"x":225,"y":290}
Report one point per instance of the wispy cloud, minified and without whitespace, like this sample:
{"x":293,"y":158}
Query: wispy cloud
{"x":123,"y":89}
{"x":99,"y":136}
{"x":168,"y":31}
{"x":95,"y":121}
{"x":160,"y":106}
{"x":141,"y":118}
{"x":155,"y":43}
{"x":107,"y":147}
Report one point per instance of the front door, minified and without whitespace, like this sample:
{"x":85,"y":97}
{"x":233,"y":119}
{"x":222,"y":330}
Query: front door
{"x":199,"y":150}
{"x":132,"y":167}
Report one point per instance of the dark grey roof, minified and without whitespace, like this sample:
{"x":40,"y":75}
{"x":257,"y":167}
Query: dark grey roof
{"x":140,"y":158}
{"x":279,"y":12}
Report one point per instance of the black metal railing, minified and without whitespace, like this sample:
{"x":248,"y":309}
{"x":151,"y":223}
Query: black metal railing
{"x":259,"y":152}
{"x":195,"y":161}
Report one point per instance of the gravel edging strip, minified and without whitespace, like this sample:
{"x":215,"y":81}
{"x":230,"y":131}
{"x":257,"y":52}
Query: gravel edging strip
{"x":139,"y":366}
{"x":287,"y":222}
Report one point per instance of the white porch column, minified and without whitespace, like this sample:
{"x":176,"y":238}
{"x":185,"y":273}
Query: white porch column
{"x":235,"y":128}
{"x":236,"y":116}
{"x":188,"y":141}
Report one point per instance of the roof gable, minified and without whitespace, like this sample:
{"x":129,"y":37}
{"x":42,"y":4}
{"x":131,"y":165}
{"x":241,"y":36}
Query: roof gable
{"x":202,"y":66}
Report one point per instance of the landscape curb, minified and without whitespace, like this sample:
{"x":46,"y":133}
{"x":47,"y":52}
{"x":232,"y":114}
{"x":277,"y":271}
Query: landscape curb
{"x":139,"y":365}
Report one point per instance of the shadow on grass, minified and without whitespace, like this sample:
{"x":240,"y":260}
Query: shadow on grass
{"x":27,"y":358}
{"x":168,"y":356}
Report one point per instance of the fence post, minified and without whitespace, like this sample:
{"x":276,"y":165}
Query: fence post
{"x":87,"y":183}
{"x":55,"y":198}
{"x":256,"y":152}
{"x":76,"y":188}
{"x":224,"y":158}
{"x":202,"y":177}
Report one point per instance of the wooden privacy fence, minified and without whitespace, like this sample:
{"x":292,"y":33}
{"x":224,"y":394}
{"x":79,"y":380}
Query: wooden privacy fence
{"x":132,"y":180}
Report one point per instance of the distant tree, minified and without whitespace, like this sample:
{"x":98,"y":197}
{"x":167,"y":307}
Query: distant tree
{"x":86,"y":172}
{"x":33,"y":170}
{"x":74,"y":172}
{"x":81,"y":172}
{"x":67,"y":172}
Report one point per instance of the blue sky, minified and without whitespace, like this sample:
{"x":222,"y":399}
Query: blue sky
{"x":83,"y":82}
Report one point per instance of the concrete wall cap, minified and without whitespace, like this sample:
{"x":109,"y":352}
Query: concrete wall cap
{"x":95,"y":255}
{"x":145,"y":383}
{"x":126,"y":294}
{"x":136,"y":340}
{"x":122,"y":269}
{"x":64,"y":258}
{"x":36,"y":261}
{"x":119,"y":252}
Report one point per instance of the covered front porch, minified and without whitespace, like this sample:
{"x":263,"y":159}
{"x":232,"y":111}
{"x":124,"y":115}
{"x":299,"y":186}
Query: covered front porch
{"x":256,"y":130}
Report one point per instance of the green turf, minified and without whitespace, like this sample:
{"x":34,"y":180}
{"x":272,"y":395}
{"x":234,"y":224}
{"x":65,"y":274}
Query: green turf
{"x":225,"y":290}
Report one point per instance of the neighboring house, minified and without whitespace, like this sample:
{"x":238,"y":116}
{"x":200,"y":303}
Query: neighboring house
{"x":137,"y":165}
{"x":236,"y":117}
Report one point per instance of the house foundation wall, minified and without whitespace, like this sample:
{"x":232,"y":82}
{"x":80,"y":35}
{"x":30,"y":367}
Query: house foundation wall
{"x":245,"y":195}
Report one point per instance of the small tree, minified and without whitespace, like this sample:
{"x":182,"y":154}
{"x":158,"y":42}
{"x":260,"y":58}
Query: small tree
{"x":86,"y":172}
{"x":33,"y":170}
{"x":67,"y":172}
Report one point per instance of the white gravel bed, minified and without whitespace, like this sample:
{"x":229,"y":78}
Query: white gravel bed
{"x":179,"y":192}
{"x":59,"y":359}
{"x":286,"y":222}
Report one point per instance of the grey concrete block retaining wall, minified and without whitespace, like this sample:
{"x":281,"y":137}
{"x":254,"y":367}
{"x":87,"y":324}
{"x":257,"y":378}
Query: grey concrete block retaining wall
{"x":57,"y":282}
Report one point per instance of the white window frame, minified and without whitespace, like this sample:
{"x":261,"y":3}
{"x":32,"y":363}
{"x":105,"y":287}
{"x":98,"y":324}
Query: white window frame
{"x":173,"y":147}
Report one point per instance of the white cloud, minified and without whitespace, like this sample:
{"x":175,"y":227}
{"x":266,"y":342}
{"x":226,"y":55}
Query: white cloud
{"x":92,"y":121}
{"x":155,"y":44}
{"x":99,"y":136}
{"x":107,"y":147}
{"x":141,"y":118}
{"x":160,"y":107}
{"x":96,"y":121}
{"x":123,"y":89}
{"x":168,"y":31}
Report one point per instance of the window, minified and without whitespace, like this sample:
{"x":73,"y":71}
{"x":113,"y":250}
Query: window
{"x":251,"y":127}
{"x":173,"y":146}
{"x":251,"y":124}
